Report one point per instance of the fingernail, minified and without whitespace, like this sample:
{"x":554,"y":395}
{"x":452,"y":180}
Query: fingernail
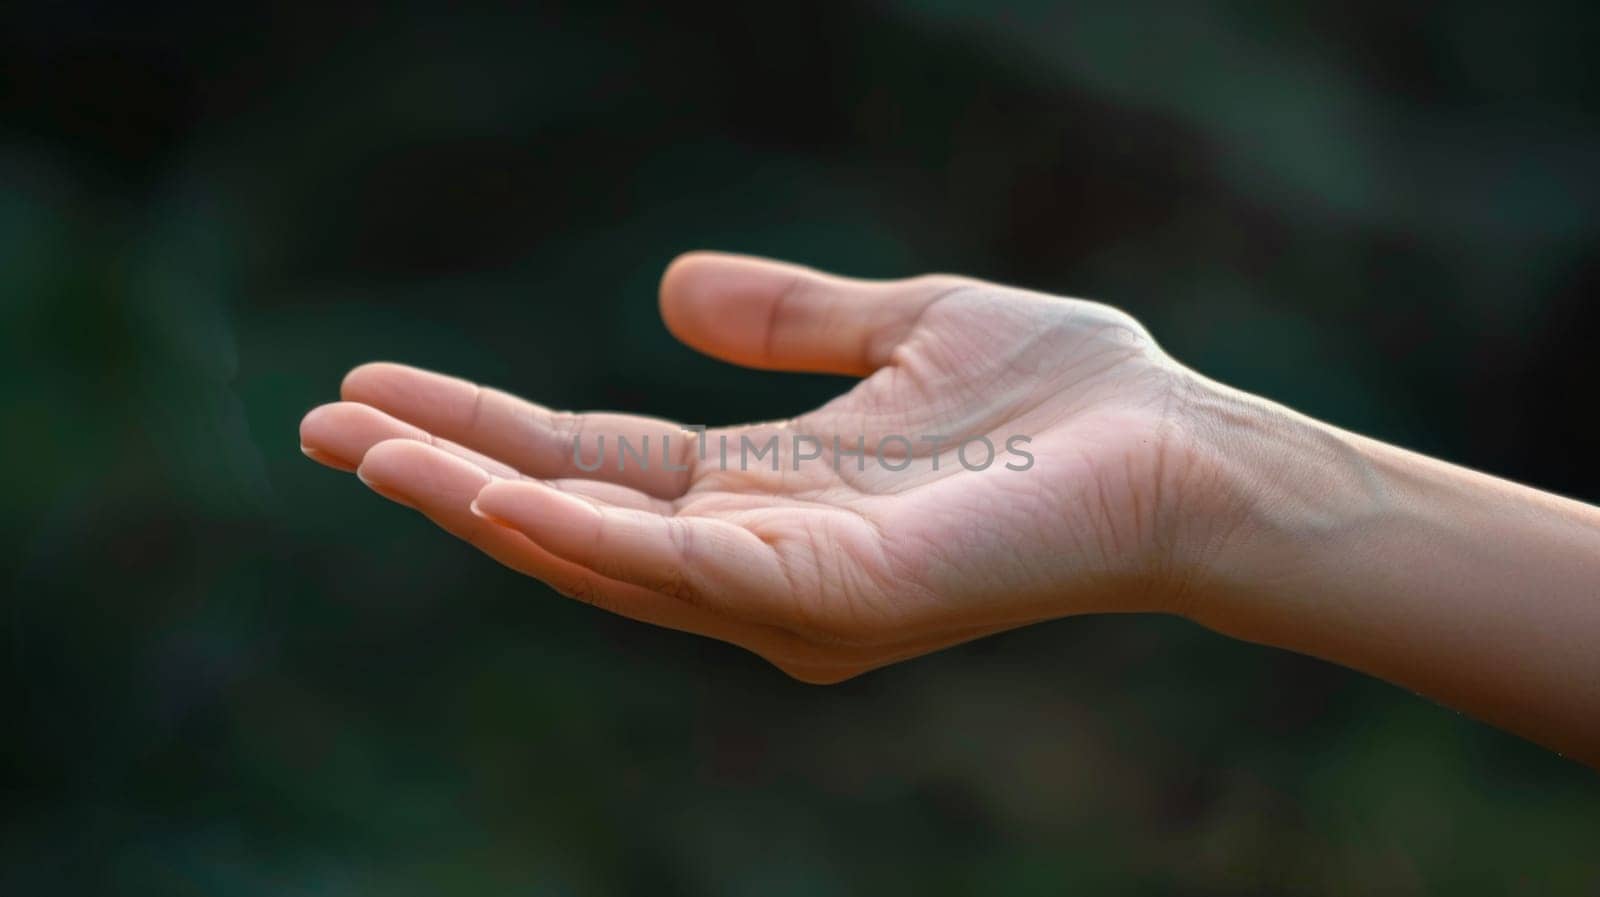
{"x":322,"y":457}
{"x":384,"y":491}
{"x":480,"y":512}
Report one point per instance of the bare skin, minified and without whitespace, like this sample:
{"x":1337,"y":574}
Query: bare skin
{"x":1146,"y":488}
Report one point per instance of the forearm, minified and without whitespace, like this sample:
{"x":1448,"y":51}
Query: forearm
{"x":1472,"y":590}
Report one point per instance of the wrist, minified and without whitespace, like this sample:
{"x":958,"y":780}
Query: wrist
{"x":1471,"y":590}
{"x":1270,"y":492}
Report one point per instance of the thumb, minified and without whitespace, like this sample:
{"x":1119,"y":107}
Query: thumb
{"x":773,"y":315}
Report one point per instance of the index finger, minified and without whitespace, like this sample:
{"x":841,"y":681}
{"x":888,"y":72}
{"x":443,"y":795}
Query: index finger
{"x":649,"y":454}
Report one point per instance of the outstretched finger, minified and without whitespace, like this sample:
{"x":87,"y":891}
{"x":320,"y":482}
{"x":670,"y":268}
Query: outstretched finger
{"x":643,"y":453}
{"x":340,"y":434}
{"x":703,"y":561}
{"x":442,"y":487}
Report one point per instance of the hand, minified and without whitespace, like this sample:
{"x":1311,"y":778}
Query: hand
{"x":1120,"y":481}
{"x":831,"y":565}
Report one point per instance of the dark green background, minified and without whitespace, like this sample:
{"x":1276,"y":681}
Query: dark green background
{"x":231,"y":671}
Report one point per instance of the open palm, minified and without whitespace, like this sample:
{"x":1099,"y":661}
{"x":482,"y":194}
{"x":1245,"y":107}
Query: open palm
{"x":1009,"y":457}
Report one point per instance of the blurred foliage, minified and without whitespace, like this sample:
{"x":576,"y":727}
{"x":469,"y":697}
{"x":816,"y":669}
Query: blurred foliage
{"x":234,"y":672}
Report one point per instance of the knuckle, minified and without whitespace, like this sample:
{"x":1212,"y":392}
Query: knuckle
{"x":942,"y":283}
{"x":1115,"y":325}
{"x":566,"y":426}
